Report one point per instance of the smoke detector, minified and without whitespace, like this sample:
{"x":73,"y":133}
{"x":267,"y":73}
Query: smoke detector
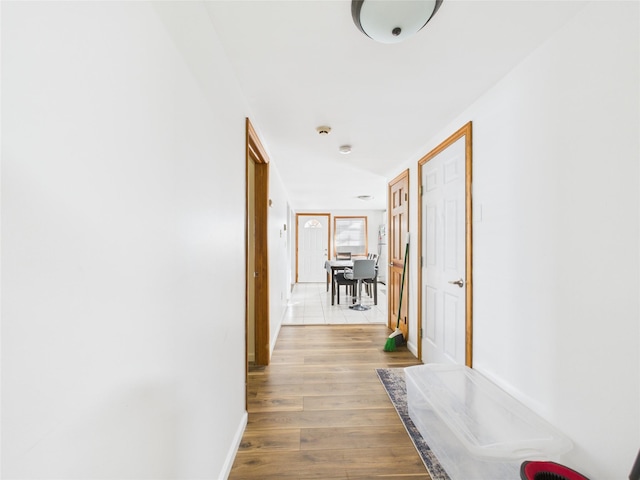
{"x":323,"y":130}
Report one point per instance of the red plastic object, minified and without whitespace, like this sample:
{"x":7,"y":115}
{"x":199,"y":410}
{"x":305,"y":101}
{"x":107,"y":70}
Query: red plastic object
{"x":548,"y":471}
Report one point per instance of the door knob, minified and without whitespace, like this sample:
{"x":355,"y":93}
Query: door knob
{"x":458,"y":282}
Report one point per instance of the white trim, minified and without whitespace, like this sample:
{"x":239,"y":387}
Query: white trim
{"x":235,"y":445}
{"x":274,"y":337}
{"x":412,"y":346}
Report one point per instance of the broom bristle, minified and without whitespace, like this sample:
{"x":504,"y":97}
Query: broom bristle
{"x":390,"y":345}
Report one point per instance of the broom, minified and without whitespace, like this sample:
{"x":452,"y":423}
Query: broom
{"x":396,"y":337}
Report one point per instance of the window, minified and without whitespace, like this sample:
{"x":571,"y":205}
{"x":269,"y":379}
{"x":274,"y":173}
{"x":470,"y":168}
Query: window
{"x":313,"y":224}
{"x":350,"y":235}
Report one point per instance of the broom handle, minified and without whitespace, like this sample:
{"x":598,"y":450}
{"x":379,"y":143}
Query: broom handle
{"x":404,"y":269}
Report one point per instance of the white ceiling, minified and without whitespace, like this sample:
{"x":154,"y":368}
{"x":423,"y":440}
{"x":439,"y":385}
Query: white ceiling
{"x":303,"y":63}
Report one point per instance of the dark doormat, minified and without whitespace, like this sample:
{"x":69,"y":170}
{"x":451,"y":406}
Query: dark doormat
{"x":393,"y":382}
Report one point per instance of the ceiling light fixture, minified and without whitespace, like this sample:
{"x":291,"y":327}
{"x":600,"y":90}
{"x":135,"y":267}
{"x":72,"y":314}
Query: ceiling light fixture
{"x":392,"y":21}
{"x":345,"y":149}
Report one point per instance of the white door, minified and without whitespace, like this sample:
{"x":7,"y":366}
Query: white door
{"x":313,"y":244}
{"x":443,"y":265}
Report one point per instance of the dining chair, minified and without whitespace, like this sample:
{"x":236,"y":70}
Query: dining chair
{"x":364,"y":268}
{"x":372,"y":283}
{"x":339,"y":279}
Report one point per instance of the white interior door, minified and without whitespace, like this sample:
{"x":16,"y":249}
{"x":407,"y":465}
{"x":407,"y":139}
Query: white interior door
{"x":443,"y":266}
{"x":313,"y":245}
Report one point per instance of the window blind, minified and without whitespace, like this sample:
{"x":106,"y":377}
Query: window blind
{"x":351,"y":235}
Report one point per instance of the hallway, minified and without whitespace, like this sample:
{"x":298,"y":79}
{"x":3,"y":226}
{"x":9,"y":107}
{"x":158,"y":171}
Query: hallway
{"x":320,"y":412}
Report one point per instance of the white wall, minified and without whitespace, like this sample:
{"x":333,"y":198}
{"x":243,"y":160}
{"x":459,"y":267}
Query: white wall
{"x":123,"y":243}
{"x":279,"y":253}
{"x":556,"y":234}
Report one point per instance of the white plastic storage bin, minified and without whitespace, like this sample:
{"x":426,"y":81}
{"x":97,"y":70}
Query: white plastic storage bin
{"x":476,"y":429}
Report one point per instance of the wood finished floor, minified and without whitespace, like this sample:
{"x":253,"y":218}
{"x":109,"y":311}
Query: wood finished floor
{"x":320,"y":412}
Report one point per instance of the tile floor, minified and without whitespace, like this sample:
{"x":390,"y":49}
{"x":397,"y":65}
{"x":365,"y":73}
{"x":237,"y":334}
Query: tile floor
{"x":310,"y":304}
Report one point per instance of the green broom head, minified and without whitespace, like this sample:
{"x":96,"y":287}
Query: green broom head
{"x":390,"y":345}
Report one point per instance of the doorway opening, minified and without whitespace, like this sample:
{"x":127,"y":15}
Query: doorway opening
{"x":257,"y":258}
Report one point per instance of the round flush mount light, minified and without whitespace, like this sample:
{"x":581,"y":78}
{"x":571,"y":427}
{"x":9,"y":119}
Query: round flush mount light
{"x":323,"y":130}
{"x":392,"y":21}
{"x":345,"y":149}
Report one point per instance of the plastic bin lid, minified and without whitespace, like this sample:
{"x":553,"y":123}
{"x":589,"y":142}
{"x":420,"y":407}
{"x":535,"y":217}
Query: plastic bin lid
{"x":490,"y":423}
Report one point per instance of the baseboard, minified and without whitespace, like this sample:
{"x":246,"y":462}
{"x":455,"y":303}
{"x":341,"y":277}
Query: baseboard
{"x":231,"y":456}
{"x":274,"y":339}
{"x":413,"y":348}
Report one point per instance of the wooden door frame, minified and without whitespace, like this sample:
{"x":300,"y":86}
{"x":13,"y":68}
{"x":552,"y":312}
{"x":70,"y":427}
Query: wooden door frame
{"x":298,"y":215}
{"x":393,"y":316}
{"x":255,"y":153}
{"x":464,"y":131}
